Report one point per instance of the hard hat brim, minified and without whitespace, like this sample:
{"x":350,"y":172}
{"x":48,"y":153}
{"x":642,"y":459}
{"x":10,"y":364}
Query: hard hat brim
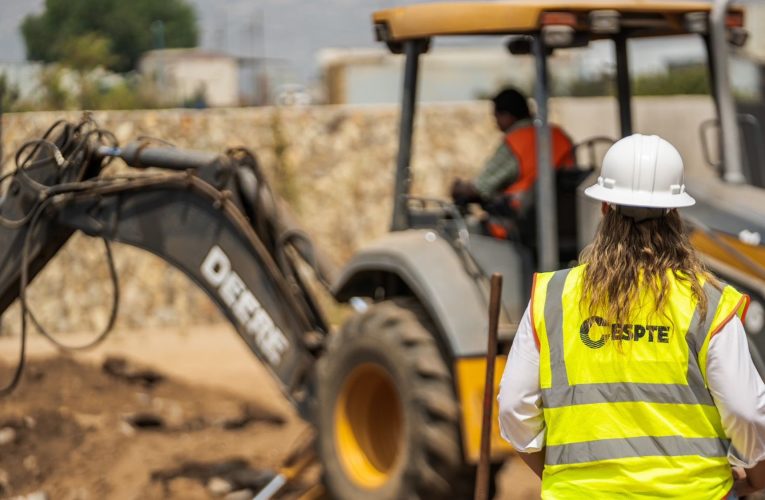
{"x":638,"y":199}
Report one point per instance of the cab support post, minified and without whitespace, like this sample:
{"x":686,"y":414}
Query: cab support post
{"x":726,"y":107}
{"x":412,"y":51}
{"x":546,"y":205}
{"x":624,"y":91}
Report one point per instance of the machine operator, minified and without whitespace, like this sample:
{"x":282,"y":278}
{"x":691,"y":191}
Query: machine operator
{"x":505,"y":185}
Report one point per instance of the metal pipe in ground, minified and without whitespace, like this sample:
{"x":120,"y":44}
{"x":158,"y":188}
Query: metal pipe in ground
{"x":482,"y":475}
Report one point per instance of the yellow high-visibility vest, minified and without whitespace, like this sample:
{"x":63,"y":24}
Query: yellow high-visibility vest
{"x":627,"y":408}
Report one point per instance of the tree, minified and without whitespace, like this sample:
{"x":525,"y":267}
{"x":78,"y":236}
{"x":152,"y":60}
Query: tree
{"x":88,"y":51}
{"x":121,"y":28}
{"x":54,"y":92}
{"x":688,"y":79}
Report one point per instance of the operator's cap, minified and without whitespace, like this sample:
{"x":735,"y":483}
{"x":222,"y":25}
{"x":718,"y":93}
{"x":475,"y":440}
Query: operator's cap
{"x":642,"y":171}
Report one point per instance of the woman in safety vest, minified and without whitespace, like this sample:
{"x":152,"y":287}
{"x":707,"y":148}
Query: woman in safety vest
{"x":630,"y":374}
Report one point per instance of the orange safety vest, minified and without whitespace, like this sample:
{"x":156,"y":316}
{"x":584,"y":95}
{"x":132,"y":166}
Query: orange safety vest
{"x":522,"y":142}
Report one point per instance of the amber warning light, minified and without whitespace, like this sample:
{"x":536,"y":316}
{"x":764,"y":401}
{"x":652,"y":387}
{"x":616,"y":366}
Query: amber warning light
{"x":559,"y":18}
{"x":734,"y":20}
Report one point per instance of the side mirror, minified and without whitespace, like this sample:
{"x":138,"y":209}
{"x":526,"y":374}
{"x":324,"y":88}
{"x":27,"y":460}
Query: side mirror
{"x":752,"y":147}
{"x":709,"y":133}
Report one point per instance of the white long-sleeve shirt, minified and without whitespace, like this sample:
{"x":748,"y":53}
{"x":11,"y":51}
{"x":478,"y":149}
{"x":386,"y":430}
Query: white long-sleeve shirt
{"x":736,"y":387}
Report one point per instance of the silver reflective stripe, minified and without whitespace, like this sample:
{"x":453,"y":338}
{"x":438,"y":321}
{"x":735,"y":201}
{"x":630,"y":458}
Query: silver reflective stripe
{"x":609,"y":449}
{"x":693,"y":375}
{"x":554,"y":327}
{"x":563,"y":394}
{"x":695,"y":337}
{"x":623,"y":392}
{"x":698,"y":332}
{"x":696,"y":381}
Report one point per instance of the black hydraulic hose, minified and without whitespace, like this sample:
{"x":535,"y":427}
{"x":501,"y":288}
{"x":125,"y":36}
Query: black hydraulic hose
{"x":114,"y":277}
{"x":16,"y":377}
{"x":294,"y":238}
{"x":31,"y":220}
{"x":45,"y":136}
{"x":26,"y":311}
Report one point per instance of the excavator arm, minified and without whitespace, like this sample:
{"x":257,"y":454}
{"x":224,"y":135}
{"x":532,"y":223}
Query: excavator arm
{"x":210,"y":216}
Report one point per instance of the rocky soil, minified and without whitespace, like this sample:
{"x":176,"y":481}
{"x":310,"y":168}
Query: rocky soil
{"x":183,"y":413}
{"x":80,"y":431}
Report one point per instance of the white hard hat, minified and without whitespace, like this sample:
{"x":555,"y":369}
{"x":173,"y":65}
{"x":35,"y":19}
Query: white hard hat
{"x":642,"y":171}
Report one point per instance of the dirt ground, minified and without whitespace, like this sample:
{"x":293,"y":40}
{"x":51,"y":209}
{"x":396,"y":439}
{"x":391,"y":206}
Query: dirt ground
{"x":180,"y":414}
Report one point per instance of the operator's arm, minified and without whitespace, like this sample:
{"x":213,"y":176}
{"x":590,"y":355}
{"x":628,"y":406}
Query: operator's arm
{"x":739,"y":395}
{"x":521,"y":420}
{"x":499,"y":172}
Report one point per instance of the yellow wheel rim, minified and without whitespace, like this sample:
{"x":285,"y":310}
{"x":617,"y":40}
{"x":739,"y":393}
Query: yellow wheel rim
{"x":369,"y":426}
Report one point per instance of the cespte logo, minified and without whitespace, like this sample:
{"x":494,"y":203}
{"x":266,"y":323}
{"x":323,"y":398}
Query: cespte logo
{"x":596,"y":331}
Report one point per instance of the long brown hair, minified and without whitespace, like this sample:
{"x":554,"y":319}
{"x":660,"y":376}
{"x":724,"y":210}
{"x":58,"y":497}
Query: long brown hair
{"x":624,"y":248}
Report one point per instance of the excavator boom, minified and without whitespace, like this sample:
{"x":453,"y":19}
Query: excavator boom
{"x":197,"y":211}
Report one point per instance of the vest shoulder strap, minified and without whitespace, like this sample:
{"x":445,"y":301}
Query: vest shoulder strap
{"x":722,"y":306}
{"x":546,"y":310}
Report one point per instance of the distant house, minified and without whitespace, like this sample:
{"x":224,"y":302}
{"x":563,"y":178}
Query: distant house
{"x":356,"y":76}
{"x":23,"y":76}
{"x":260,"y":79}
{"x":755,"y":16}
{"x":196,"y":77}
{"x":193,"y":76}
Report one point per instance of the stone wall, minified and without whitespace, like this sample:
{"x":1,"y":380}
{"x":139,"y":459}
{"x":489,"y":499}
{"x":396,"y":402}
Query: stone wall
{"x":334,"y":165}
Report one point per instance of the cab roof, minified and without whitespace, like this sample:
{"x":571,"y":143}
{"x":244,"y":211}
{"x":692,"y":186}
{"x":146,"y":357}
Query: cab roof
{"x":655,"y":17}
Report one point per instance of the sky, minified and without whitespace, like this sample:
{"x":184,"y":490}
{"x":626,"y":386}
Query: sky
{"x":292,"y":30}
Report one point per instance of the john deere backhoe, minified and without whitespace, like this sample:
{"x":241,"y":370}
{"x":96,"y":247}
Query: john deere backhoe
{"x":395,"y":393}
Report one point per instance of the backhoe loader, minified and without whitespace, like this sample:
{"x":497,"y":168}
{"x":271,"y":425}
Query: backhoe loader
{"x":395,"y":392}
{"x":428,"y":278}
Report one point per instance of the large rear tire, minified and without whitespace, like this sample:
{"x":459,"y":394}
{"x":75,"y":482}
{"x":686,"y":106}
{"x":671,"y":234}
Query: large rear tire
{"x":388,"y":417}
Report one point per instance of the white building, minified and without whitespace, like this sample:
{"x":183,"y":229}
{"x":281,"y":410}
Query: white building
{"x":191,"y":75}
{"x":355,"y":76}
{"x":23,"y":76}
{"x":755,"y":17}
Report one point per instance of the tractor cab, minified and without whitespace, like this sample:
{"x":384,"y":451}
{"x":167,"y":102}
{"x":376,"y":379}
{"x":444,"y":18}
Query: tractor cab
{"x":537,"y":30}
{"x":727,"y":153}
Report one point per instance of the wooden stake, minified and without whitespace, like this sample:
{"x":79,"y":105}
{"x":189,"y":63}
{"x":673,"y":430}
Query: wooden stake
{"x":482,"y":475}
